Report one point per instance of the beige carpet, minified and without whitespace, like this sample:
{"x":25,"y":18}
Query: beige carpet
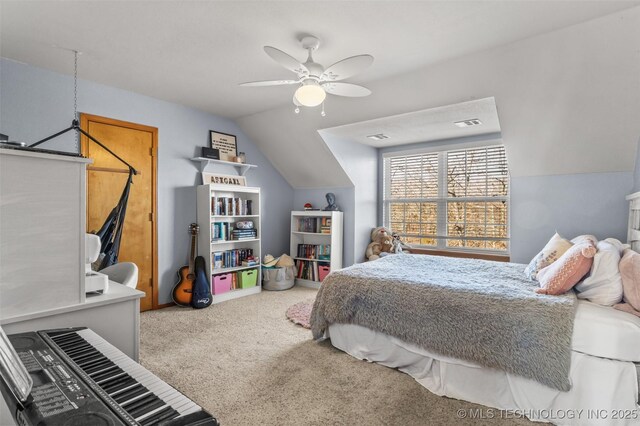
{"x":244,"y":362}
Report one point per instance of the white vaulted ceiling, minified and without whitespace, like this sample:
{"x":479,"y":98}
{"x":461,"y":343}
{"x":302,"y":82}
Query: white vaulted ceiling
{"x":567,"y":95}
{"x":567,"y":103}
{"x":196,"y":52}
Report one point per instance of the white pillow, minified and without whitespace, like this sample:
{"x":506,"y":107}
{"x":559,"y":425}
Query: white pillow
{"x":603,"y":285}
{"x":551,"y":252}
{"x":587,"y":237}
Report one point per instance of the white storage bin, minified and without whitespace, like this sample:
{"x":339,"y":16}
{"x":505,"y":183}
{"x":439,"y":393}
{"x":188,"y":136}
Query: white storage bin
{"x":278,"y":278}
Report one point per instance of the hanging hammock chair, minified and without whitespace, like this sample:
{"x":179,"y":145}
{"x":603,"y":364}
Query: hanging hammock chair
{"x":111,"y":231}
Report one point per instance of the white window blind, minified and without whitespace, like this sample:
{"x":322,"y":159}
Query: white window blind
{"x":449,"y":200}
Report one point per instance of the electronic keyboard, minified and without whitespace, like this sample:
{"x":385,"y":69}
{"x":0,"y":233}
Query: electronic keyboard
{"x":79,"y":378}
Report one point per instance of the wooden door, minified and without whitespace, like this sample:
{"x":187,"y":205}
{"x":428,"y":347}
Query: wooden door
{"x":106,"y":177}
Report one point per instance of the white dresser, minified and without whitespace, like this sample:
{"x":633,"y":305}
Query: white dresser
{"x":42,"y":228}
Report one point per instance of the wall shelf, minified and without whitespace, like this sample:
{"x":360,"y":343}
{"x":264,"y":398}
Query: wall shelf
{"x":240,"y":167}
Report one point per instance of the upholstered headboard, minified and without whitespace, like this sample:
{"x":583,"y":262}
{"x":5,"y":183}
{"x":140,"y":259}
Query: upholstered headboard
{"x":633,"y":235}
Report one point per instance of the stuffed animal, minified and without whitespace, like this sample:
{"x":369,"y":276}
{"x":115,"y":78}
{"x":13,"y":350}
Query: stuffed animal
{"x":399,"y":246}
{"x":381,"y":243}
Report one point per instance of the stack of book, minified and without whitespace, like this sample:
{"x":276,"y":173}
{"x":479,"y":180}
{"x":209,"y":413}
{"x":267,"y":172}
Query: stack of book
{"x":225,"y":231}
{"x":325,"y":225}
{"x":244,"y":234}
{"x":314,"y":251}
{"x":229,"y":206}
{"x":231,"y":258}
{"x":250,"y":261}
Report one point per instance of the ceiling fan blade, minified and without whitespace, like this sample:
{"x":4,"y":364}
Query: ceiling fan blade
{"x":347,"y":68}
{"x":268,"y":83}
{"x":346,"y":89}
{"x":286,"y":60}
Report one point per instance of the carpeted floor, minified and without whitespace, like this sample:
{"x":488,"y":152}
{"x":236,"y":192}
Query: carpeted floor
{"x":243,"y":361}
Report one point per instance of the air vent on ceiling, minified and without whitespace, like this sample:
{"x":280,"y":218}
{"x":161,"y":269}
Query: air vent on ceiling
{"x":378,"y":137}
{"x":468,"y":123}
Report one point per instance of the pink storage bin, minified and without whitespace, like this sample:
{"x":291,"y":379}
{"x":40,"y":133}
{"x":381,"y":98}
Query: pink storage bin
{"x":323,"y":271}
{"x":221,"y":283}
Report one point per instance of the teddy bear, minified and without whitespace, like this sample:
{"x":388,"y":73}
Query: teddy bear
{"x":381,"y":243}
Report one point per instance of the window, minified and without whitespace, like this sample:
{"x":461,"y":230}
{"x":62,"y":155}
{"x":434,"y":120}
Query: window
{"x":455,"y":200}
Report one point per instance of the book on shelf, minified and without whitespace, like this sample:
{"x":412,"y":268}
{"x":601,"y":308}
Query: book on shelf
{"x":325,"y":225}
{"x":308,"y":270}
{"x":231,"y":258}
{"x":316,"y":225}
{"x":249,"y":262}
{"x":220,"y":231}
{"x":231,"y":206}
{"x":217,"y":260}
{"x":244,"y":234}
{"x":224,"y":231}
{"x":314,"y":251}
{"x":308,"y":224}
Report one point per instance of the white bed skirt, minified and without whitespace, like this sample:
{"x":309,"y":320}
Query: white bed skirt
{"x":604,"y":391}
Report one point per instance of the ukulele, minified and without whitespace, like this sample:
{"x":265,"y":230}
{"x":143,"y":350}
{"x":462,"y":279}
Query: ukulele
{"x":183,"y":290}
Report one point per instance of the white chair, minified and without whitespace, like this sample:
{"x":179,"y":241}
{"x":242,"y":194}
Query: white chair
{"x":125,"y":273}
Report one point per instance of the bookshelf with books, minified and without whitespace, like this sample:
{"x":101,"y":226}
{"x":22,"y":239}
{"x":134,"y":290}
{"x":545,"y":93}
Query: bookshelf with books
{"x":230,"y":247}
{"x":316,"y":245}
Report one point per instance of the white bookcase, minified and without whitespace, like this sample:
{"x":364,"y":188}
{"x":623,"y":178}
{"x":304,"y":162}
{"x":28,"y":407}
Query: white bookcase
{"x":314,"y":237}
{"x":208,"y":245}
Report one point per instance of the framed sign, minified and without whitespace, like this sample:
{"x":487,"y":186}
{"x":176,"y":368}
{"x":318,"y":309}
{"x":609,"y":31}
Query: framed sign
{"x":223,"y":179}
{"x":225,"y":143}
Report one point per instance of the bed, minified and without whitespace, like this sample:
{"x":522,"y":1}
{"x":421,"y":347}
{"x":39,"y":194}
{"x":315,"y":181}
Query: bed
{"x":555,"y":359}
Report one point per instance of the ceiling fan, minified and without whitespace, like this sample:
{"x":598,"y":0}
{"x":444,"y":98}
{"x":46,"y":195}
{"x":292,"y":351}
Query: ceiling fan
{"x":313,"y":79}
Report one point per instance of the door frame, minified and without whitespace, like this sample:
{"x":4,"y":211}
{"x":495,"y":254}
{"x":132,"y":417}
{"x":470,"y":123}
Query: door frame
{"x":84,"y":124}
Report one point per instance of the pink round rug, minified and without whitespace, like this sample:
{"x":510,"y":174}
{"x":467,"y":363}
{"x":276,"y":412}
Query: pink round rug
{"x":300,"y":313}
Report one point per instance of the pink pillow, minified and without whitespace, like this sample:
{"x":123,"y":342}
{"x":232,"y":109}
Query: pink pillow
{"x":625,"y":307}
{"x":630,"y":271}
{"x":564,"y":273}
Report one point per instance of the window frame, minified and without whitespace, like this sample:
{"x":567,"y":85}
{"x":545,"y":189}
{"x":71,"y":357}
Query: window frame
{"x":442,"y":201}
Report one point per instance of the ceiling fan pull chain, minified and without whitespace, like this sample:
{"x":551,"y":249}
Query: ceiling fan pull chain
{"x":323,"y":113}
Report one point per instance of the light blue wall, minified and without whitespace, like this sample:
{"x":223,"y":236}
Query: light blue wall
{"x":35,"y":103}
{"x":358,"y":202}
{"x":345,"y":199}
{"x":592,"y":203}
{"x":360,"y":163}
{"x":572,"y":205}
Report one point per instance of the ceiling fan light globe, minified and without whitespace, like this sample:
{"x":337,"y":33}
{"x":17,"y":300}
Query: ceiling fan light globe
{"x":310,"y":95}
